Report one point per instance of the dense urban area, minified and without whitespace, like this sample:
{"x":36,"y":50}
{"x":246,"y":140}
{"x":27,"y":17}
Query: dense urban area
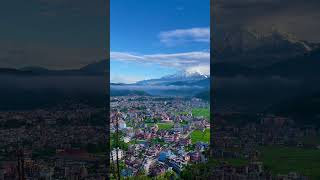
{"x":154,"y":136}
{"x":168,"y":137}
{"x":53,"y":143}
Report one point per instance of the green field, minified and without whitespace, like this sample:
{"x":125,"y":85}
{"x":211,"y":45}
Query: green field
{"x":310,"y":140}
{"x":199,"y":136}
{"x":201,"y":112}
{"x":161,"y":126}
{"x":149,"y":124}
{"x":165,"y":126}
{"x":235,"y":162}
{"x":180,"y":113}
{"x":282,"y":160}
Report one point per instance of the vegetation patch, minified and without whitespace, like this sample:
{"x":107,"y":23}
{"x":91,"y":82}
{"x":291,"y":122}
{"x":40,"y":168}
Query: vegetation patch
{"x":201,"y":112}
{"x":181,"y":113}
{"x":310,"y":140}
{"x":165,"y":126}
{"x":282,"y":160}
{"x":200,"y":136}
{"x":184,"y":122}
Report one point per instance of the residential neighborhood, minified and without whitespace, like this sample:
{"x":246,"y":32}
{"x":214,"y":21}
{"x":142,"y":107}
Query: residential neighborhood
{"x":158,"y":134}
{"x":53,"y":143}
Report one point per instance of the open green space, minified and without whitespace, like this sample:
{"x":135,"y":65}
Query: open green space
{"x":161,"y":126}
{"x":165,"y":126}
{"x":282,"y":160}
{"x":200,"y":136}
{"x":180,"y":113}
{"x":310,"y":140}
{"x":149,"y":124}
{"x":201,"y":112}
{"x":136,"y":141}
{"x":157,"y":141}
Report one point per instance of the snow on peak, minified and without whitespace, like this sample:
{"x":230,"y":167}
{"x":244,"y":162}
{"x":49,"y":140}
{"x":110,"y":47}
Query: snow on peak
{"x":187,"y":74}
{"x":203,"y":70}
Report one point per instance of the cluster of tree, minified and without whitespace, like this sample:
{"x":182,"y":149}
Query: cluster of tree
{"x":96,"y":148}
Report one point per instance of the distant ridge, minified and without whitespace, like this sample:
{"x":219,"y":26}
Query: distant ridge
{"x":259,"y":47}
{"x":97,"y":68}
{"x":180,"y":79}
{"x":11,"y":71}
{"x":304,"y":65}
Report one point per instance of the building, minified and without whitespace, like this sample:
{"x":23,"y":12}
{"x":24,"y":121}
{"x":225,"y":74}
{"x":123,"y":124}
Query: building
{"x":113,"y":155}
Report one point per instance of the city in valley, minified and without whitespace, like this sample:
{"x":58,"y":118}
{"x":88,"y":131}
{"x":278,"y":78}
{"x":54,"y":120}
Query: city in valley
{"x":154,"y":135}
{"x":53,"y":143}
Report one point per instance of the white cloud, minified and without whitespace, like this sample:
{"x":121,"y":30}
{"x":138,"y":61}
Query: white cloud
{"x":201,"y":69}
{"x":175,"y":59}
{"x":192,"y":61}
{"x":124,"y":56}
{"x":179,"y":36}
{"x":116,"y":78}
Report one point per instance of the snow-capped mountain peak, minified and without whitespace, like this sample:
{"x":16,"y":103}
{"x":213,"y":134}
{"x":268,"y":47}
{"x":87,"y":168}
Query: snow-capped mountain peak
{"x":186,"y":75}
{"x":181,"y":76}
{"x":277,"y":34}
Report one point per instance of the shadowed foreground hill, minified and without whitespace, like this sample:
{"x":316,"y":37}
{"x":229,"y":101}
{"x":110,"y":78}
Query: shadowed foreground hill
{"x":39,"y":92}
{"x":255,"y":89}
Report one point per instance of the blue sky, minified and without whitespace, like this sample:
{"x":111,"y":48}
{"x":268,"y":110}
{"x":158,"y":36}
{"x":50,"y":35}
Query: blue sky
{"x":153,"y":38}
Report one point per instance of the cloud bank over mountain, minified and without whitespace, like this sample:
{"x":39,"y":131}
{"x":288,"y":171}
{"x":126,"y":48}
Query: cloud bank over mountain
{"x":196,"y":61}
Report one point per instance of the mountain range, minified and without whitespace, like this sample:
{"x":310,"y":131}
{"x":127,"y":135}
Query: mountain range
{"x":254,"y":47}
{"x":94,"y":69}
{"x":252,"y":70}
{"x":244,"y":52}
{"x":181,"y":78}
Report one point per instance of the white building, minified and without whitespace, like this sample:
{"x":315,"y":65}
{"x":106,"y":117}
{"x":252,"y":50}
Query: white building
{"x":147,"y":165}
{"x":113,"y":155}
{"x":126,"y":139}
{"x":122,"y":124}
